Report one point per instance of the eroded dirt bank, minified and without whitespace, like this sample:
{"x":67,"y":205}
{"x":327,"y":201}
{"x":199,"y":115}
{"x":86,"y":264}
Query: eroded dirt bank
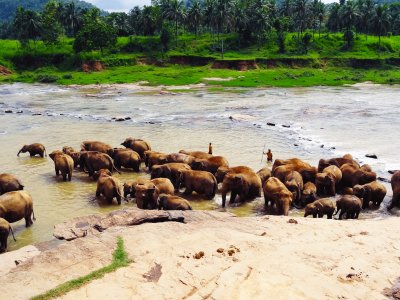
{"x":244,"y":258}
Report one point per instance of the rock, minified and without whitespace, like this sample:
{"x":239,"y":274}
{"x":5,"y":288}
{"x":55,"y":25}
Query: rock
{"x":91,"y":225}
{"x":36,"y":114}
{"x":286,"y":126}
{"x":8,"y":111}
{"x":20,"y":112}
{"x":271,"y":124}
{"x":383,"y":179}
{"x":322,"y":146}
{"x":292,"y":221}
{"x":220,"y":250}
{"x":296,"y":145}
{"x":392,"y":171}
{"x":198,"y":255}
{"x":371,"y":155}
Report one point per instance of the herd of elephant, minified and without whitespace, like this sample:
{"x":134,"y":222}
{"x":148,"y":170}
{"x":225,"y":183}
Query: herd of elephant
{"x":291,"y":182}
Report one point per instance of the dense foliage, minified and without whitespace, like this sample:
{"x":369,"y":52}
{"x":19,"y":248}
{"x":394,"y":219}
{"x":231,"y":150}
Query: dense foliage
{"x":251,"y":22}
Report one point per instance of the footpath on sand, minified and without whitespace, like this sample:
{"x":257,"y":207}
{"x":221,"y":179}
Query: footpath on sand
{"x":215,"y":255}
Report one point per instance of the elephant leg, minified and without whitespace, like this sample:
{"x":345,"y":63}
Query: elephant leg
{"x":57,"y":171}
{"x":329,"y":215}
{"x":28,"y":221}
{"x":118,"y":199}
{"x":233,"y":196}
{"x":64,"y":175}
{"x":356,"y":214}
{"x":223,"y":198}
{"x":332,"y":191}
{"x":69,"y":176}
{"x":98,"y":192}
{"x":320,"y":215}
{"x":188,"y":190}
{"x":3,"y":242}
{"x":314,"y":215}
{"x":341,"y":214}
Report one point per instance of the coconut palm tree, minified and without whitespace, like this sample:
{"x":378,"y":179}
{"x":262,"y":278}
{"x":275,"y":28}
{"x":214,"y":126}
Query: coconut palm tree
{"x":195,"y":15}
{"x":381,"y":21}
{"x":176,"y":12}
{"x":300,"y":15}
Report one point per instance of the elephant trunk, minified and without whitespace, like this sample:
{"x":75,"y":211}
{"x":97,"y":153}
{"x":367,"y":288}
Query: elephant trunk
{"x":19,"y":152}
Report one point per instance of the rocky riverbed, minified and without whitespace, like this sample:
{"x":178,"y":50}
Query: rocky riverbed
{"x":215,"y":255}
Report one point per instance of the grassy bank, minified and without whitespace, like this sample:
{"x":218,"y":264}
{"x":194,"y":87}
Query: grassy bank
{"x":120,"y":259}
{"x":134,"y":59}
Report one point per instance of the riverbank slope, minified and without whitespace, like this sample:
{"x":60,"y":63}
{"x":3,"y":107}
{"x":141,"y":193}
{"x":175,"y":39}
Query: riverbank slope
{"x":253,"y":257}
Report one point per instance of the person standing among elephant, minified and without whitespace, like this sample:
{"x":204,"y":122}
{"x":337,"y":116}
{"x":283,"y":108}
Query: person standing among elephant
{"x":210,"y":149}
{"x":269,"y":155}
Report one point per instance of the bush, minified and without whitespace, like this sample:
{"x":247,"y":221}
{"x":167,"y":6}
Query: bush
{"x":47,"y":78}
{"x":67,"y":76}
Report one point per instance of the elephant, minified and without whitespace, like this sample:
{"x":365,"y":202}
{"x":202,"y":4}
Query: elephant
{"x":307,"y":173}
{"x":350,"y":205}
{"x":34,"y":149}
{"x":210,"y":165}
{"x":68,"y":150}
{"x":373,"y":192}
{"x":275,"y":192}
{"x":309,"y":194}
{"x":291,"y":161}
{"x":108,"y":186}
{"x":17,"y":205}
{"x":97,"y":146}
{"x":202,"y":182}
{"x":179,"y":158}
{"x":246,"y":184}
{"x":351,"y":176}
{"x":163,"y":186}
{"x":320,"y":207}
{"x":127,"y":158}
{"x":395,"y":182}
{"x":366,"y":167}
{"x":222,"y":171}
{"x":338,"y":162}
{"x":197,"y":154}
{"x":146,"y":195}
{"x":63,"y":163}
{"x":138,"y":145}
{"x":5,"y":229}
{"x":152,"y":158}
{"x":9,"y":183}
{"x":294,"y":183}
{"x":76,"y":157}
{"x":328,"y":180}
{"x":95,"y":161}
{"x":130,"y":186}
{"x":264,"y":174}
{"x":171,"y":202}
{"x":170,"y":171}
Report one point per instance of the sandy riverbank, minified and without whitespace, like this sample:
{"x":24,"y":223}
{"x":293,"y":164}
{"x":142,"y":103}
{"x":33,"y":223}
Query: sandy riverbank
{"x":270,"y":258}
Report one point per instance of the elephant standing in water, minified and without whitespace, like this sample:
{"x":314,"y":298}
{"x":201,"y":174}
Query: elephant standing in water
{"x":395,"y":182}
{"x":5,"y":229}
{"x":9,"y":183}
{"x":108,"y":186}
{"x":349,"y":205}
{"x":17,"y":205}
{"x":138,"y":145}
{"x":320,"y":207}
{"x":171,"y":202}
{"x":33,"y":149}
{"x":275,"y":192}
{"x":373,"y":192}
{"x":62,"y":163}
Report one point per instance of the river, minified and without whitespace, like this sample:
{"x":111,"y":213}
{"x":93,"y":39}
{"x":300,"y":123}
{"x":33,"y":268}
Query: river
{"x":319,"y":122}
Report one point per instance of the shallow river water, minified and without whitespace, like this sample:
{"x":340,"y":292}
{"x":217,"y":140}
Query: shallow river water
{"x":320,"y":122}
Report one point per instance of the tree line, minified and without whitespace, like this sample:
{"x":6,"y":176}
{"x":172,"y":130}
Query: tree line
{"x":252,"y":22}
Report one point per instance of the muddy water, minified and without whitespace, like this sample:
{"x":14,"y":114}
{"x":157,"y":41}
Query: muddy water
{"x":319,"y":122}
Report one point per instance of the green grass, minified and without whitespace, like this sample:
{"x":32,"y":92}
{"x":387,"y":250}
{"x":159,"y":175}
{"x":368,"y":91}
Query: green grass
{"x":120,"y":259}
{"x":323,"y":62}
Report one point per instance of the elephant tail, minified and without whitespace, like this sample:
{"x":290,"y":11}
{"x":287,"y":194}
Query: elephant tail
{"x":215,"y":187}
{"x":117,"y":188}
{"x":33,"y":214}
{"x":12,"y":231}
{"x":113,"y":167}
{"x":45,"y":151}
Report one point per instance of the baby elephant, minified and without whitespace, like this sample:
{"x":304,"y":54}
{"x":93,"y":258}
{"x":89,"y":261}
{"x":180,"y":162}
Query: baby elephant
{"x":108,"y":186}
{"x":170,"y":202}
{"x":5,"y":229}
{"x":349,"y":205}
{"x":33,"y":149}
{"x":321,"y":207}
{"x":62,"y":163}
{"x":309,"y":194}
{"x":371,"y":192}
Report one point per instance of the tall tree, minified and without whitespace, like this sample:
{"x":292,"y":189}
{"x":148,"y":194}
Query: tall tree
{"x":27,"y":26}
{"x":300,"y":15}
{"x":381,"y":21}
{"x":195,"y":15}
{"x":175,"y":12}
{"x":51,"y":27}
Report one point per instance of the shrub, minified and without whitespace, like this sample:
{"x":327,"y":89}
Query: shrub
{"x":47,"y":78}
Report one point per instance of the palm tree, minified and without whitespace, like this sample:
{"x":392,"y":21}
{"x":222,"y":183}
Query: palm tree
{"x":300,"y":13}
{"x":27,"y":25}
{"x":333,"y":22}
{"x":176,"y":12}
{"x":366,"y":8}
{"x":381,"y":21}
{"x":223,"y":14}
{"x":195,"y":14}
{"x":70,"y":18}
{"x":348,"y":14}
{"x":259,"y":19}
